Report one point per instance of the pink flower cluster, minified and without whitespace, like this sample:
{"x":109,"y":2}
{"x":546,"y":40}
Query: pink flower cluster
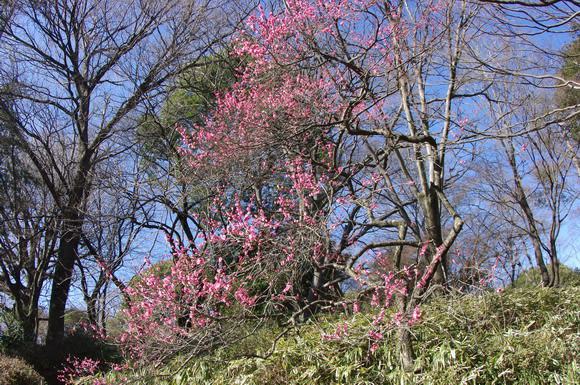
{"x":75,"y":368}
{"x":340,"y":332}
{"x":284,"y":119}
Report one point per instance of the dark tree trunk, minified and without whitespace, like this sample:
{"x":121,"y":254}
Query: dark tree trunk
{"x":29,"y":327}
{"x":26,"y":312}
{"x":555,"y":270}
{"x":433,"y":214}
{"x":554,"y":262}
{"x":540,"y":261}
{"x":67,"y":255}
{"x":92,"y":313}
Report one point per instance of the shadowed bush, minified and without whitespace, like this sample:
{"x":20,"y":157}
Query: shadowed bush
{"x":14,"y":371}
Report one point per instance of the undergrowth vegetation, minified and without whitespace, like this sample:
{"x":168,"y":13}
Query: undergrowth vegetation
{"x":520,"y":336}
{"x":15,"y":371}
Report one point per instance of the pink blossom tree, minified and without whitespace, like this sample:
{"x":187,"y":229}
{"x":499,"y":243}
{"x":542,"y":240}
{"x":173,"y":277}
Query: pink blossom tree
{"x":345,"y":149}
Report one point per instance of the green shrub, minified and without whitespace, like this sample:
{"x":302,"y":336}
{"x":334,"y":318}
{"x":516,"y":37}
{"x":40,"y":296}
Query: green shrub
{"x":14,"y":371}
{"x":11,"y":333}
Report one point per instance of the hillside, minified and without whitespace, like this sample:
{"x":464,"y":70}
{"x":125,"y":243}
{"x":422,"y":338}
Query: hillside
{"x":521,"y":336}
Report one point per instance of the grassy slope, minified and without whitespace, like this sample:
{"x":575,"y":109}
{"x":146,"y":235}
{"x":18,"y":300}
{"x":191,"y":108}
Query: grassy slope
{"x":522,"y":336}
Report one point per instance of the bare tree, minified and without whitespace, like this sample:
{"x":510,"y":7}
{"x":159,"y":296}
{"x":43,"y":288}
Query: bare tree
{"x":7,"y":8}
{"x":84,"y":68}
{"x":540,"y":195}
{"x":28,"y":236}
{"x":523,"y":73}
{"x":108,"y":239}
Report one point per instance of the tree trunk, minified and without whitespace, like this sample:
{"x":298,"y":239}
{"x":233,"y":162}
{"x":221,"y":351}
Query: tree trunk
{"x":433,"y":212}
{"x":29,"y":323}
{"x":406,"y":352}
{"x":540,"y":259}
{"x":67,"y":255}
{"x":554,"y":264}
{"x":26,"y":312}
{"x":404,"y":342}
{"x":92,"y":312}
